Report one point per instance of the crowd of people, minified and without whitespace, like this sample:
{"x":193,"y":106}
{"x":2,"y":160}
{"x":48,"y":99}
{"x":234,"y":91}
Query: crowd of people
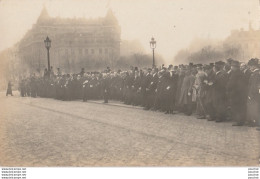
{"x":220,"y":91}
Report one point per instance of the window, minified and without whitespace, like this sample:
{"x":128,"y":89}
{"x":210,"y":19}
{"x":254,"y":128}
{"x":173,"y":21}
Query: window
{"x":80,"y":51}
{"x":100,"y":51}
{"x":106,"y":51}
{"x":86,"y":51}
{"x":92,"y":51}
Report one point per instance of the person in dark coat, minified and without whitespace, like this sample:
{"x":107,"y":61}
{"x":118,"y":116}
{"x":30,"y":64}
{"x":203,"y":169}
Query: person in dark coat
{"x":33,"y":85}
{"x":22,"y":87}
{"x":235,"y":92}
{"x":82,"y":72}
{"x":166,"y":92}
{"x":219,"y":85}
{"x":253,"y":101}
{"x":209,"y":96}
{"x":151,"y":93}
{"x":145,"y":89}
{"x":136,"y":89}
{"x":159,"y":91}
{"x":106,"y":87}
{"x":246,"y":76}
{"x":9,"y":89}
{"x":173,"y":80}
{"x":85,"y":86}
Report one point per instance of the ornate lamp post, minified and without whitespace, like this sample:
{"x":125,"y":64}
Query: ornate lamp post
{"x":48,"y":46}
{"x":153,"y":46}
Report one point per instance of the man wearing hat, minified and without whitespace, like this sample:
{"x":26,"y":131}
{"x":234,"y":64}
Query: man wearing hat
{"x":219,"y":85}
{"x":152,"y":87}
{"x":209,"y":96}
{"x":235,"y":90}
{"x":181,"y":75}
{"x":246,"y":75}
{"x":253,"y":101}
{"x":82,"y":72}
{"x":105,"y":83}
{"x":145,"y":89}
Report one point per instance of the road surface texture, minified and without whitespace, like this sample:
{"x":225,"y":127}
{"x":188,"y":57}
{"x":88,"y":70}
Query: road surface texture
{"x":47,"y":132}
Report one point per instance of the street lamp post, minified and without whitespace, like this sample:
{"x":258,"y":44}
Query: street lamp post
{"x":47,"y":42}
{"x":153,"y":46}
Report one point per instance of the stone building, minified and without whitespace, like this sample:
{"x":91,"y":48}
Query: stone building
{"x":76,"y":42}
{"x":247,"y":41}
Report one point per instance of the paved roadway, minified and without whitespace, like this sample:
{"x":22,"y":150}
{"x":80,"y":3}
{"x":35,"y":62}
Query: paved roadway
{"x":48,"y":132}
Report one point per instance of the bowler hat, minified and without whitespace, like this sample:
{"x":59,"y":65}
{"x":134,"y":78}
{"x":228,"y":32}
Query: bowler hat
{"x":253,"y":62}
{"x":235,"y":63}
{"x":229,"y":60}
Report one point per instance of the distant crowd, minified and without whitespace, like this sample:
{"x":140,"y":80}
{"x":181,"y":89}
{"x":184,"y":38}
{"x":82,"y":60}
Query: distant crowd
{"x":220,"y":91}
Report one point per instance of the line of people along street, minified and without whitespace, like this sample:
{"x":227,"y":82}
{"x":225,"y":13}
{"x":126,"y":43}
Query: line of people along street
{"x":220,"y":91}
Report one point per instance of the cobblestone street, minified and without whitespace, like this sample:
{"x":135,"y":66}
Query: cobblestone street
{"x":48,"y":132}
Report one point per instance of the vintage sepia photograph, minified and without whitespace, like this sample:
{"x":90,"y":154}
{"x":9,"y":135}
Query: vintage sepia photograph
{"x":129,"y":83}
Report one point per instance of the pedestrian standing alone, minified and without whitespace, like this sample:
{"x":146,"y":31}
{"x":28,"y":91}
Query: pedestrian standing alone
{"x":9,"y":89}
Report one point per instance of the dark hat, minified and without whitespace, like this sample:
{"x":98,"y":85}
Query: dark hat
{"x":235,"y":63}
{"x":149,"y":69}
{"x":253,"y":62}
{"x":219,"y":63}
{"x":229,"y":60}
{"x":206,"y":67}
{"x":136,"y":69}
{"x":190,"y":64}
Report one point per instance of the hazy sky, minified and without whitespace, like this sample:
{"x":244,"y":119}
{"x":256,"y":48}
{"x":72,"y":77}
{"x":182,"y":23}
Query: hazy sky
{"x":173,"y":23}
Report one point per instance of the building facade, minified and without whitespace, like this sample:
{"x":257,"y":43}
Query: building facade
{"x":76,"y":42}
{"x":247,"y":41}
